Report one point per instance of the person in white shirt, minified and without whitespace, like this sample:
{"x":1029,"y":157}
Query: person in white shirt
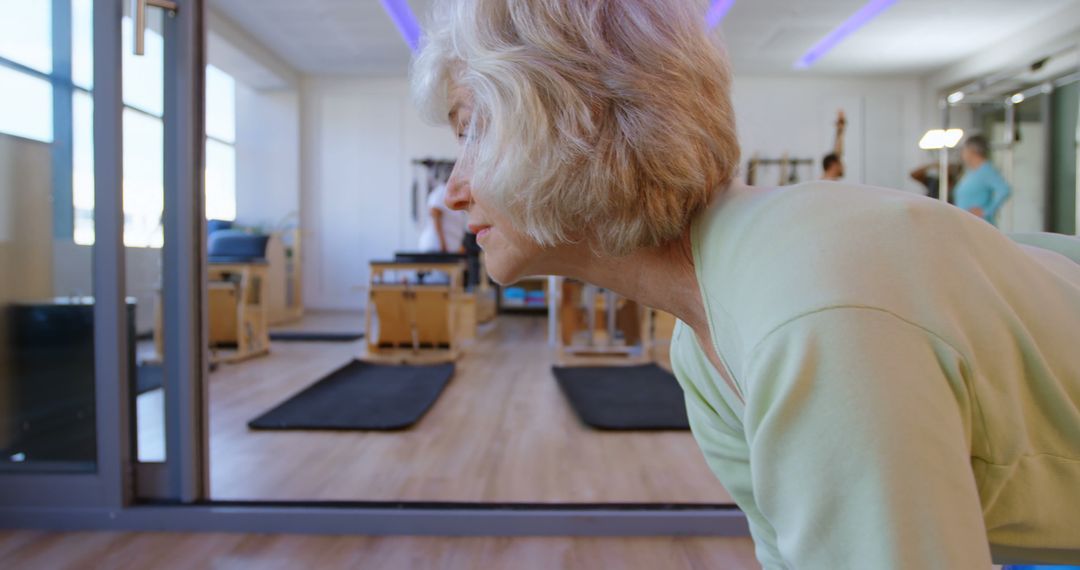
{"x":444,"y":229}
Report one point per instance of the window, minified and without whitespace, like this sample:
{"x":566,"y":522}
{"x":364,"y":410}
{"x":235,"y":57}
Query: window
{"x":25,"y":106}
{"x":220,"y":105}
{"x":26,"y":60}
{"x":26,"y":110}
{"x":144,"y":173}
{"x":220,"y":145}
{"x":82,"y":43}
{"x":144,"y":144}
{"x":82,"y":175}
{"x":82,"y":75}
{"x":220,"y":180}
{"x":26,"y":33}
{"x":144,"y":83}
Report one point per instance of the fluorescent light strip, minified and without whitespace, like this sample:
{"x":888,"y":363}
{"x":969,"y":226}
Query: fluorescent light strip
{"x":717,"y":11}
{"x":856,"y":21}
{"x":403,"y":17}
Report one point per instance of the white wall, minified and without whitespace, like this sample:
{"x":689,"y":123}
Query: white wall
{"x":793,"y":115}
{"x":267,"y":156}
{"x":359,"y":137}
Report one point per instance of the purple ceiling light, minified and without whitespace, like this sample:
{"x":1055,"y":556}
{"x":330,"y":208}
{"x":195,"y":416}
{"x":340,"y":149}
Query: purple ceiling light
{"x":856,"y":21}
{"x":405,"y":20}
{"x":717,"y":10}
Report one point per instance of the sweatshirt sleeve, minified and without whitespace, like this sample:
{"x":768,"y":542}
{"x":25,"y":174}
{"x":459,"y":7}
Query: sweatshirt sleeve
{"x":859,"y":445}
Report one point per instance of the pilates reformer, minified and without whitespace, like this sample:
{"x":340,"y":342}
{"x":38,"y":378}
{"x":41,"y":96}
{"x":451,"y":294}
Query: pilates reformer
{"x":237,"y":307}
{"x":409,"y":320}
{"x":478,"y":288}
{"x":237,"y":279}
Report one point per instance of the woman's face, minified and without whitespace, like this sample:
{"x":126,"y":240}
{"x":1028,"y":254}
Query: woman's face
{"x":509,"y":253}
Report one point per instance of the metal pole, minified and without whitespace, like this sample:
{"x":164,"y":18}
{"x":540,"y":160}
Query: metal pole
{"x":943,"y":156}
{"x":590,"y":310}
{"x":1047,"y":118}
{"x":1009,"y":159}
{"x":1076,"y":215}
{"x":609,"y":304}
{"x":554,"y":293}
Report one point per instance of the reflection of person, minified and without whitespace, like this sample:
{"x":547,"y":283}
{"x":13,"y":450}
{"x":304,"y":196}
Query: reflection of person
{"x":928,"y":176}
{"x":871,"y":395}
{"x":833,"y":163}
{"x":982,"y":191}
{"x":444,"y":229}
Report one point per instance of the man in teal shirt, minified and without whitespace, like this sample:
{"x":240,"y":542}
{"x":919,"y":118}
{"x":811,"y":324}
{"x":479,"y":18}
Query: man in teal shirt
{"x":982,"y":191}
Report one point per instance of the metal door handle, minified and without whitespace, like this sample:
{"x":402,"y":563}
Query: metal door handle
{"x":138,"y":8}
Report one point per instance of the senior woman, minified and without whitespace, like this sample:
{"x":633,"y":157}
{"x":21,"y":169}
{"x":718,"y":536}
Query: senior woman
{"x":880,"y":380}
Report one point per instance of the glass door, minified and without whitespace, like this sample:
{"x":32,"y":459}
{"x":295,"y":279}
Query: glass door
{"x":100,"y":181}
{"x":47,"y":397}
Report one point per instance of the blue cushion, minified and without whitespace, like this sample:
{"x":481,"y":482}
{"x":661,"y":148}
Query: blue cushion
{"x":217,"y":225}
{"x":236,"y":245}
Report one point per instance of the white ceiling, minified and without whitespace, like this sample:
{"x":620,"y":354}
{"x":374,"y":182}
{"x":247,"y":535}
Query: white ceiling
{"x":326,"y":37}
{"x":356,"y":37}
{"x":911,"y":36}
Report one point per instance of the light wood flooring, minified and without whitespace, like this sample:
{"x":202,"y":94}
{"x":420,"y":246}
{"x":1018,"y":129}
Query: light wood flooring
{"x":49,"y":551}
{"x":501,"y":432}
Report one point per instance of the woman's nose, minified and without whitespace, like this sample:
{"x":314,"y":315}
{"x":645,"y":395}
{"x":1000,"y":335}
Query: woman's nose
{"x":458,"y":194}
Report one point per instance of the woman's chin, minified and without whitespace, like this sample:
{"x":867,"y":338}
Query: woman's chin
{"x":503,"y":273}
{"x":503,"y":278}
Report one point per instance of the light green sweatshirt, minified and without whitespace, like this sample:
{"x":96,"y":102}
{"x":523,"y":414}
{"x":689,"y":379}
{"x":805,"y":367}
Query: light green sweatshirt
{"x":906,"y":380}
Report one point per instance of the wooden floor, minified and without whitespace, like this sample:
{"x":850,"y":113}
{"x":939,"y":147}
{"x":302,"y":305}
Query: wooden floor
{"x":36,"y":550}
{"x":501,"y":432}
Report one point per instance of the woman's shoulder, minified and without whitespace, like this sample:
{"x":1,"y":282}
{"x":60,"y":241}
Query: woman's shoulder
{"x":764,"y":256}
{"x":813,"y":206}
{"x":763,"y":228}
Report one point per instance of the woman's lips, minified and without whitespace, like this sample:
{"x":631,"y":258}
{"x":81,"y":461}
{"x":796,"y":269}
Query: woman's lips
{"x":479,"y":230}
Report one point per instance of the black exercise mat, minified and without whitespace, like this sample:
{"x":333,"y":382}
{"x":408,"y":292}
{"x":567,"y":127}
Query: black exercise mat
{"x":149,"y":377}
{"x":303,"y":336}
{"x":644,"y":397}
{"x":361,"y":396}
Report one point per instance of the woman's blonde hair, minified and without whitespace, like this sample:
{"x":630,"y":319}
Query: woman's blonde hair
{"x":601,"y":120}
